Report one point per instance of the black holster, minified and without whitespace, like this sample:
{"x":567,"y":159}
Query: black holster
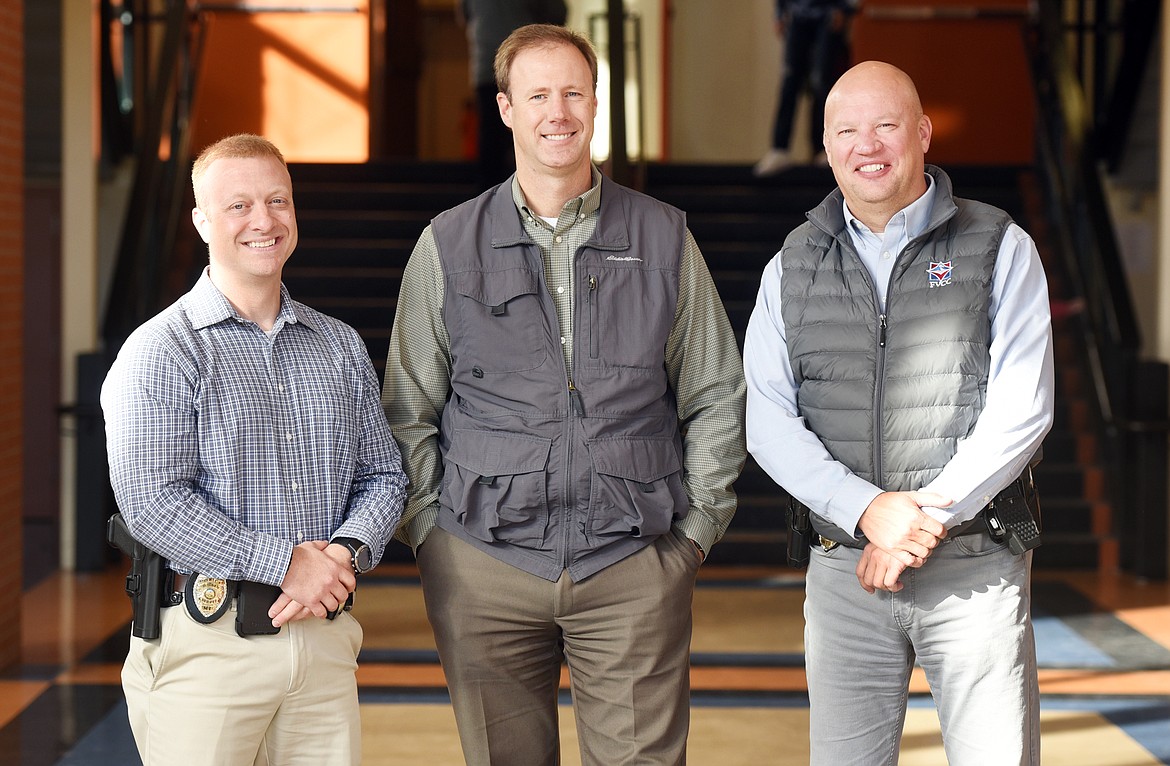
{"x":799,"y":533}
{"x":144,"y":583}
{"x":1014,"y":515}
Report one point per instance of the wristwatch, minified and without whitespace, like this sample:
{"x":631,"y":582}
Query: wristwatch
{"x":360,"y":555}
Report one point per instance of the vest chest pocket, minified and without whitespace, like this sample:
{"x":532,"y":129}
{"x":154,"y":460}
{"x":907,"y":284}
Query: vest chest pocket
{"x":501,"y":325}
{"x":496,"y":485}
{"x":629,"y":313}
{"x":637,"y":487}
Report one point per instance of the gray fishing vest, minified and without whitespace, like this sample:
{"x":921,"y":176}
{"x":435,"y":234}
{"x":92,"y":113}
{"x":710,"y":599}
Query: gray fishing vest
{"x":890,"y":396}
{"x":540,"y":471}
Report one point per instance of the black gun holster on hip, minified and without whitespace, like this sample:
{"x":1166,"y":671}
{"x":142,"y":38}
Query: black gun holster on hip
{"x":146,"y":580}
{"x":799,"y":533}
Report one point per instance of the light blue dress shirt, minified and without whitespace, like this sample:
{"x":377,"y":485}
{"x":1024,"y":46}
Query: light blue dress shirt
{"x":1015,"y":418}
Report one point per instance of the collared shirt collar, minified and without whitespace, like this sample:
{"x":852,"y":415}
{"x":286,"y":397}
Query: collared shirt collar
{"x":577,"y":208}
{"x":206,"y":306}
{"x":914,"y":217}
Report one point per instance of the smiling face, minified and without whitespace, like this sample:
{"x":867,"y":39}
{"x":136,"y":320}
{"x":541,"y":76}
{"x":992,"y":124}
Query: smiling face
{"x":550,"y":109}
{"x":876,"y":137}
{"x":245,"y":215}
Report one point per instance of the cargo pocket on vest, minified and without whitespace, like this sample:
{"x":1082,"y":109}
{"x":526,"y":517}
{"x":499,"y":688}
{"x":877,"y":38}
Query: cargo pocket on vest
{"x":496,"y":484}
{"x":637,"y":487}
{"x":502,"y":324}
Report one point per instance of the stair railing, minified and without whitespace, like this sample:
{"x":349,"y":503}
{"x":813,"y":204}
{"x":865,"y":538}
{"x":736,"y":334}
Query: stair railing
{"x":162,"y":151}
{"x":1129,"y":394}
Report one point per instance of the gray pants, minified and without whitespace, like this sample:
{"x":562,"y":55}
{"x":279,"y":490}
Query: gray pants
{"x":625,"y":634}
{"x":965,"y":617}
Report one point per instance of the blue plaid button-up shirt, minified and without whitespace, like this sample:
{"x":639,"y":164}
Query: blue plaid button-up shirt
{"x":229,"y":446}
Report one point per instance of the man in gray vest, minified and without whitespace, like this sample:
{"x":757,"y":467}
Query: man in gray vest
{"x":899,"y":369}
{"x":568,"y":398}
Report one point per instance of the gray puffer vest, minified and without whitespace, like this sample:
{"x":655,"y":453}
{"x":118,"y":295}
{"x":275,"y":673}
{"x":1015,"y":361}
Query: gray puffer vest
{"x":891,"y":395}
{"x":540,"y":470}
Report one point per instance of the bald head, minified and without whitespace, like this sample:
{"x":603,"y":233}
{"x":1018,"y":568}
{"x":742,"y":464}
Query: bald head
{"x":876,"y":76}
{"x":876,"y":138}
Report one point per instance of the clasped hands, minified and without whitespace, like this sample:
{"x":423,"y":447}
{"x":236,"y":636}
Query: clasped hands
{"x":319,"y":580}
{"x":900,"y":535}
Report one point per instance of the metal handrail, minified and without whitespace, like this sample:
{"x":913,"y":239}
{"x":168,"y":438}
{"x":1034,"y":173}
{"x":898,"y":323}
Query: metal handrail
{"x":147,"y":257}
{"x":1130,"y":393}
{"x":1078,"y":203}
{"x":163,"y":158}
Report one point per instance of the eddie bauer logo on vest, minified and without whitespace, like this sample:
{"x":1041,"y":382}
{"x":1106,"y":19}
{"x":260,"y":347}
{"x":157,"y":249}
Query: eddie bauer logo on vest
{"x":622,"y":258}
{"x":939,"y":274}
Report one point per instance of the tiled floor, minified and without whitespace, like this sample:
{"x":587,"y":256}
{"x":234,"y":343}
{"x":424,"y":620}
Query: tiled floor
{"x":1103,"y":643}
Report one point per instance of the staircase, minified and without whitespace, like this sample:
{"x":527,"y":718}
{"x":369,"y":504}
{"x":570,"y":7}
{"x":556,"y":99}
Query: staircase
{"x":358,"y":224}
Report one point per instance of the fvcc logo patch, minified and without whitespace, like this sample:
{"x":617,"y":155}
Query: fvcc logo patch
{"x":939,"y":274}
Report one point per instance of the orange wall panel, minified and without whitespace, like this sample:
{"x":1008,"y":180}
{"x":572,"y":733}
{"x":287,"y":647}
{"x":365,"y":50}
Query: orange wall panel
{"x":971,"y":70}
{"x":300,"y":79}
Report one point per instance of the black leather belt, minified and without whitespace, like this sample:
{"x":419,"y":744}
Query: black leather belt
{"x":973,"y":526}
{"x":173,"y":588}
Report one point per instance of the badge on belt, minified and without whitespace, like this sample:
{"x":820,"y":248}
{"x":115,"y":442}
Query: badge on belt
{"x":206,"y":598}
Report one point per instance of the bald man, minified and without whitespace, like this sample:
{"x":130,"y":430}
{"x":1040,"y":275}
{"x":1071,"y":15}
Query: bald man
{"x":899,"y":370}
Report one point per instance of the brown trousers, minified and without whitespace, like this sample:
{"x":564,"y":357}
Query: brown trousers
{"x":625,"y":634}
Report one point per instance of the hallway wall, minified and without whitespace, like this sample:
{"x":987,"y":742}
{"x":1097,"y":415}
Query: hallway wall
{"x":724,"y":81}
{"x":11,"y":323}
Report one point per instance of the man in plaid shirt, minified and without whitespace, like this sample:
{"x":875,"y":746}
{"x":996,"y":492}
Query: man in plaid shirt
{"x":247,"y":443}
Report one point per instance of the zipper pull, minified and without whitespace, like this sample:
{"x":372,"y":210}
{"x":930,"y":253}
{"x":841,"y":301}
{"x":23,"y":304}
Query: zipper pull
{"x":592,"y":283}
{"x":882,"y":331}
{"x":575,"y":398}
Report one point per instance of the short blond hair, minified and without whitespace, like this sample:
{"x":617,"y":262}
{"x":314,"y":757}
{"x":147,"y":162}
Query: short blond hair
{"x":238,"y":147}
{"x":539,"y":36}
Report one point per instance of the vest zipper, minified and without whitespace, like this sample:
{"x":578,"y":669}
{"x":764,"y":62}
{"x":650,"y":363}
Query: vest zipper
{"x":879,"y":403}
{"x":570,"y":500}
{"x":575,"y":400}
{"x":593,"y":331}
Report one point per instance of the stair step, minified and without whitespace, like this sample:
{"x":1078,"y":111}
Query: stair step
{"x":362,"y":224}
{"x":423,"y":172}
{"x":1065,"y":446}
{"x":356,"y":253}
{"x":428,"y":198}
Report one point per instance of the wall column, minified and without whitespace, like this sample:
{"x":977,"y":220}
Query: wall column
{"x":11,"y":320}
{"x":1161,"y":345}
{"x":80,"y":131}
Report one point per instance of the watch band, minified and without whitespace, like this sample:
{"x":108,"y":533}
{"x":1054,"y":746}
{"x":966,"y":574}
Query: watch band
{"x":360,"y":554}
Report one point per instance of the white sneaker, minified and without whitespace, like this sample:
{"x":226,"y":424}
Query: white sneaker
{"x":772,"y":162}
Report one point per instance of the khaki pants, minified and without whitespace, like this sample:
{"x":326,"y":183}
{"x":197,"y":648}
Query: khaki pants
{"x":200,"y":695}
{"x":625,"y":634}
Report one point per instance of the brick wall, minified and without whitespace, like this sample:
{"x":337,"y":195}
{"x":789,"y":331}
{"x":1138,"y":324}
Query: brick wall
{"x":11,"y":320}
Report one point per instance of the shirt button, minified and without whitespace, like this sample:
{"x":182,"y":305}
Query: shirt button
{"x":886,"y":255}
{"x":558,"y":238}
{"x":560,"y":290}
{"x":280,"y":387}
{"x":562,"y":340}
{"x":289,"y":435}
{"x":295,"y":486}
{"x":300,"y":537}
